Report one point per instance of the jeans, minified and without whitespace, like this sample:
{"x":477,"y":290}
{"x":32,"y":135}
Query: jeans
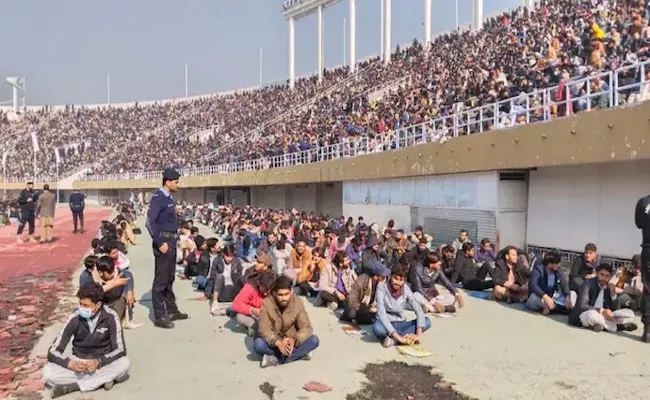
{"x":403,"y":328}
{"x":201,"y":282}
{"x":263,"y":348}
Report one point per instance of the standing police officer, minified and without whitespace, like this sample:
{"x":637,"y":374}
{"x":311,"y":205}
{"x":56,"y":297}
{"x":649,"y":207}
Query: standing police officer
{"x":162,"y":223}
{"x":27,"y":201}
{"x":77,"y":205}
{"x":642,"y":219}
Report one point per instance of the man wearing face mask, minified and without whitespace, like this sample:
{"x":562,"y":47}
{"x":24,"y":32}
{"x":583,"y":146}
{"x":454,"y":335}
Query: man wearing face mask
{"x":98,"y":352}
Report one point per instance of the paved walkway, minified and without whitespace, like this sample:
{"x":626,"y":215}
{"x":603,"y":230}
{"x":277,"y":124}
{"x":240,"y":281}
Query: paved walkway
{"x":489,"y":351}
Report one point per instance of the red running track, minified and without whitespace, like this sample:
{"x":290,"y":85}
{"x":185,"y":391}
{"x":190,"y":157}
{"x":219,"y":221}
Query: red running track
{"x":64,"y":253}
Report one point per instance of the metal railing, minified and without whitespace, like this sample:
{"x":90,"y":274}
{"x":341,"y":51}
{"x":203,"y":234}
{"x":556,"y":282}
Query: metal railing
{"x":598,"y":91}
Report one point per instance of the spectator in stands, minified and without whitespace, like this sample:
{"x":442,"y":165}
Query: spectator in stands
{"x":583,"y":267}
{"x":98,"y":352}
{"x":393,"y":298}
{"x":248,"y":302}
{"x":424,"y":277}
{"x":593,"y":308}
{"x":285,"y":333}
{"x":510,"y":277}
{"x":469,"y":274}
{"x":548,"y":290}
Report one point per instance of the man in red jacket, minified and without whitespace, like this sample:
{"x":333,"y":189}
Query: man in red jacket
{"x":248,"y":302}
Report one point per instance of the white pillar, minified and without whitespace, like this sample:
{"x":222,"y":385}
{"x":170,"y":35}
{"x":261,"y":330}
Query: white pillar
{"x":292,"y":76}
{"x":477,"y":15}
{"x":320,"y":43}
{"x":15,"y":98}
{"x":381,"y":33}
{"x":387,"y":21}
{"x":530,"y":4}
{"x":353,"y":35}
{"x":427,"y":22}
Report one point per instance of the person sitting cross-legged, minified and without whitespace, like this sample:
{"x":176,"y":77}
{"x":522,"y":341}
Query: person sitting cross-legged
{"x":98,"y":354}
{"x":424,"y":277}
{"x":593,"y":308}
{"x":393,"y":297}
{"x":510,"y":277}
{"x":336,"y":282}
{"x":248,"y":302}
{"x":548,"y":290}
{"x":285,"y":333}
{"x":361,"y":307}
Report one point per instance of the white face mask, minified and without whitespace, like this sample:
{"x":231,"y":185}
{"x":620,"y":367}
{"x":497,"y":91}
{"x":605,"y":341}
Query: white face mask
{"x":85,"y":313}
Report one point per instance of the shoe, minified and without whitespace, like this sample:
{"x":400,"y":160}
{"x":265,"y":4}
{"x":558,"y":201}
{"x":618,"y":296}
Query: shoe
{"x":388,"y":342}
{"x":178,"y":316}
{"x":307,"y":356}
{"x":82,"y":230}
{"x":269,"y":361}
{"x":163,"y":323}
{"x":645,"y":338}
{"x":74,"y":231}
{"x":627,"y":327}
{"x":597,"y":328}
{"x":333,"y":306}
{"x":32,"y":240}
{"x":109,"y":385}
{"x":122,"y":378}
{"x":251,"y":331}
{"x":130,"y":325}
{"x":19,"y":239}
{"x":62,"y":390}
{"x":450,"y":309}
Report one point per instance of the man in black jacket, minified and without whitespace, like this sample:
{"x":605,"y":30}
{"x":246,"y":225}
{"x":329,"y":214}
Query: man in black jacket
{"x":27,"y":201}
{"x":584,"y":267}
{"x":642,"y":220}
{"x":593,"y":308}
{"x":98,"y":353}
{"x":225,"y":279}
{"x":472,"y":277}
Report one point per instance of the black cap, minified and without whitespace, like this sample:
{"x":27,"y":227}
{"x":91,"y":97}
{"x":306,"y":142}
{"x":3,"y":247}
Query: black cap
{"x":30,"y":182}
{"x":171,"y":174}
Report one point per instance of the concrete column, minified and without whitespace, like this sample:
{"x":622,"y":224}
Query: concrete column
{"x":353,"y":35}
{"x":320,"y":43}
{"x":387,"y":29}
{"x":292,"y":71}
{"x":530,"y":4}
{"x":427,"y":22}
{"x":381,"y":33}
{"x":477,"y":14}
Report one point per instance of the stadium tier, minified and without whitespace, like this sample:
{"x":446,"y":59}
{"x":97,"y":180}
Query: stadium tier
{"x":524,"y":66}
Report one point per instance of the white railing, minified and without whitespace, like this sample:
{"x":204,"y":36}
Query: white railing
{"x":598,"y":91}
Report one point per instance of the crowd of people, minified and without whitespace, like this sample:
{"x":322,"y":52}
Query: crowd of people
{"x":259,"y":262}
{"x":514,"y":54}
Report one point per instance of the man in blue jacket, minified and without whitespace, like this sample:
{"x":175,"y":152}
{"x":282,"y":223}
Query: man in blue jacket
{"x":548,"y":290}
{"x":77,"y":205}
{"x":163,"y":226}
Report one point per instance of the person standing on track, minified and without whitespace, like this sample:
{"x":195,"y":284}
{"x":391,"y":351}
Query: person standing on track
{"x":27,"y":202}
{"x":77,"y":205}
{"x":642,"y":220}
{"x":45,"y":208}
{"x":162,"y":223}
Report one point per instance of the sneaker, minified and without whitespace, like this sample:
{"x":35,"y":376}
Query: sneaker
{"x":333,"y":306}
{"x":597,"y":328}
{"x":388,"y":342}
{"x":178,"y":316}
{"x":32,"y":240}
{"x":307,"y":356}
{"x":62,"y":390}
{"x":109,"y":385}
{"x":627,"y":327}
{"x":645,"y":337}
{"x":126,"y":324}
{"x":450,"y":309}
{"x":269,"y":361}
{"x":19,"y":239}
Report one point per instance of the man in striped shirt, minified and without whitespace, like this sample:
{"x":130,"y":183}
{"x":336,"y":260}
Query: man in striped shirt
{"x":98,"y":355}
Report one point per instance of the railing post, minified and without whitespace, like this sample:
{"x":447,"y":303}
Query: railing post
{"x":480,"y":119}
{"x":611,"y":88}
{"x":455,"y":124}
{"x":527,"y":109}
{"x":614,"y":86}
{"x":568,"y":100}
{"x":588,"y":95}
{"x":495,"y":110}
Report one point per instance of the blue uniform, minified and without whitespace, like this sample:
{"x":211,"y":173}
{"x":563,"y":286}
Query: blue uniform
{"x":77,"y":205}
{"x":162,"y":223}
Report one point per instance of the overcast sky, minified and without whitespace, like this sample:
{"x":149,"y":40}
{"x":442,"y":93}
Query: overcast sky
{"x":66,"y":48}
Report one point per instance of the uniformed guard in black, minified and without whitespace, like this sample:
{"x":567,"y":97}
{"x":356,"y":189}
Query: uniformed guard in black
{"x":27,"y":201}
{"x":77,"y":205}
{"x":162,"y":223}
{"x":642,"y":220}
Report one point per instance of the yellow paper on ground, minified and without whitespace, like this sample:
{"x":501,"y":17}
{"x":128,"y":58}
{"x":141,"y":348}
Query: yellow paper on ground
{"x":414,"y":351}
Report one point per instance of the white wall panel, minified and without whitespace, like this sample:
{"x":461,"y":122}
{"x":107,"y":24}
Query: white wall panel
{"x":570,"y":206}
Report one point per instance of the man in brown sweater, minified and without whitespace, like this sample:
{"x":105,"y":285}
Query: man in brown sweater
{"x":45,"y":208}
{"x":285,"y":333}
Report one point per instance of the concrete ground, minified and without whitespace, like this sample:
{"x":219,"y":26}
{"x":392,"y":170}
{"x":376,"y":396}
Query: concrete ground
{"x":489,"y":351}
